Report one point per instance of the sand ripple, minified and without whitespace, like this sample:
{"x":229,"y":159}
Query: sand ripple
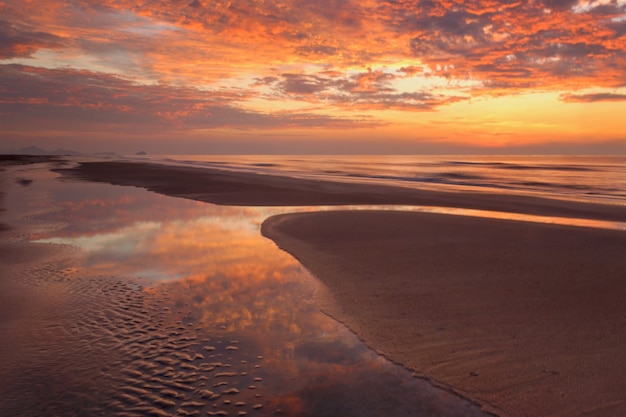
{"x":103,"y":346}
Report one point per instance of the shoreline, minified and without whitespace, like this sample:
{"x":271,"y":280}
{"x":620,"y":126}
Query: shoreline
{"x":526,"y":326}
{"x":547,"y":347}
{"x":248,"y":189}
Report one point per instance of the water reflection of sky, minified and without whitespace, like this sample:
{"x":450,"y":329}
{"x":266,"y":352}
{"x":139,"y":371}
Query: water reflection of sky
{"x":224,"y":277}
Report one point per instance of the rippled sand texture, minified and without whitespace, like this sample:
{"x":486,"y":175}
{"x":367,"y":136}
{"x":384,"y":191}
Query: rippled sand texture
{"x":75,"y":344}
{"x":101,"y":346}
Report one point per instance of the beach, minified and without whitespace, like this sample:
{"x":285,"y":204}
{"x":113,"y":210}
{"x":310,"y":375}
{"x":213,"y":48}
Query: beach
{"x":527,"y":319}
{"x":524,"y":319}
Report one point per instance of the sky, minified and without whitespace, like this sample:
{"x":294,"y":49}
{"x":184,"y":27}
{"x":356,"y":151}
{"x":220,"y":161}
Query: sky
{"x":314,"y":76}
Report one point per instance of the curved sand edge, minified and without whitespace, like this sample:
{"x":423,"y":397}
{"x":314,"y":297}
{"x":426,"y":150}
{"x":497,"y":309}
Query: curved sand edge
{"x":325,"y":299}
{"x":526,"y":319}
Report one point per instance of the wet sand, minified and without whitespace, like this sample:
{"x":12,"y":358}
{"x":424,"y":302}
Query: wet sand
{"x":527,"y":319}
{"x":76,"y":344}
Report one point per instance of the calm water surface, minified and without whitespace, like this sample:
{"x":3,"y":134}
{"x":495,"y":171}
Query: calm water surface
{"x":219,"y":320}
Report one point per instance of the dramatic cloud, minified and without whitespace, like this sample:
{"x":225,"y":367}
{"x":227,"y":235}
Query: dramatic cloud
{"x":508,"y":43}
{"x":261,"y":64}
{"x":362,"y":90}
{"x":16,"y":41}
{"x":59,"y":96}
{"x":590,"y":98}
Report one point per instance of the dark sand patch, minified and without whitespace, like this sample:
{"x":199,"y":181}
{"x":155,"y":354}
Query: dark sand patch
{"x":27,"y":159}
{"x":528,"y":319}
{"x":17,"y":300}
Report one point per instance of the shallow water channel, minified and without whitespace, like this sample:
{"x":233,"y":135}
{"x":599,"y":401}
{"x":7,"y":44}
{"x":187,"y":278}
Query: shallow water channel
{"x":178,"y":307}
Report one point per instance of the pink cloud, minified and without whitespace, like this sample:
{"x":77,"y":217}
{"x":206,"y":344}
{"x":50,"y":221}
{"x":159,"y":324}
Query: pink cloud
{"x":592,"y":97}
{"x":113,"y":65}
{"x":70,"y":97}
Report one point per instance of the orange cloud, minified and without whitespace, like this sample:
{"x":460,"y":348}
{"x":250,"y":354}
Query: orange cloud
{"x":112,"y":103}
{"x":498,"y":42}
{"x":590,"y":98}
{"x":129,"y":65}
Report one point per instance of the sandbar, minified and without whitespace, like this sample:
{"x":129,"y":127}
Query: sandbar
{"x":527,"y":319}
{"x":249,"y":189}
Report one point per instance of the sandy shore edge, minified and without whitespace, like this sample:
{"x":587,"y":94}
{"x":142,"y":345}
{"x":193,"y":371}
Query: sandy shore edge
{"x":526,"y":319}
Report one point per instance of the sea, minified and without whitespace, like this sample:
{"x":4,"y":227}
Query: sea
{"x":599,"y":179}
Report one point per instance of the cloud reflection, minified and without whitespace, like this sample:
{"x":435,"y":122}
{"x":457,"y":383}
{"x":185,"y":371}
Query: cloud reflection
{"x":217,"y":274}
{"x":236,"y":278}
